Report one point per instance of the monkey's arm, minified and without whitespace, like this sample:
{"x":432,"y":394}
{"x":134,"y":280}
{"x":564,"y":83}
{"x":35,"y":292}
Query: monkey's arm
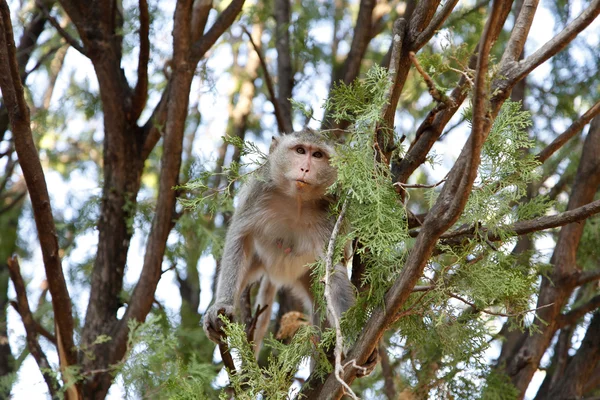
{"x":233,"y":274}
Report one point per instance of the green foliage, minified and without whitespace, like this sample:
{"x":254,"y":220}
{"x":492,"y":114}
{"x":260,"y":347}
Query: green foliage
{"x":156,"y":370}
{"x":506,"y":168}
{"x":273,"y":380}
{"x":208,"y":199}
{"x":375,"y":214}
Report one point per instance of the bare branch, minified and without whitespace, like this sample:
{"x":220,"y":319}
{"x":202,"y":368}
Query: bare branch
{"x":516,"y":43}
{"x":200,"y":12}
{"x":575,"y":314}
{"x":36,"y":325}
{"x":329,"y":270}
{"x":13,"y":96}
{"x":533,"y":225}
{"x":269,"y":81}
{"x":571,"y":131}
{"x":223,"y":22}
{"x":588,"y":276}
{"x":555,"y":45}
{"x":360,"y":41}
{"x":66,"y":35}
{"x":46,"y":56}
{"x":31,"y":330}
{"x":285,"y":72}
{"x":435,"y":24}
{"x":433,"y":90}
{"x":140,"y":93}
{"x":498,"y":314}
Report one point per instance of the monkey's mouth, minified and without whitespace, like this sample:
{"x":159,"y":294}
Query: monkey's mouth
{"x":300,"y":183}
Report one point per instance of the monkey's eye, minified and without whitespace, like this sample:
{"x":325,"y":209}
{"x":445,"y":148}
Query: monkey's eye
{"x":317,"y":154}
{"x":300,"y":150}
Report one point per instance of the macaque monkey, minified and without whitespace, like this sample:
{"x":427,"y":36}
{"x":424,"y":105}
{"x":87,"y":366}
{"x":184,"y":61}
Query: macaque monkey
{"x":281,"y":224}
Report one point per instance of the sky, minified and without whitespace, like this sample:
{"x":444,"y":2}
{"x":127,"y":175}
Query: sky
{"x":30,"y":383}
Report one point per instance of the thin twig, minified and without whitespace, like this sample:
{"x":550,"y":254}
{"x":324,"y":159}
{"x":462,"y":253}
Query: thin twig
{"x":534,"y":225}
{"x":418,"y":185}
{"x":433,"y":91}
{"x":42,"y":60}
{"x":252,"y":326}
{"x":556,"y":44}
{"x":339,"y":369}
{"x":30,"y":325}
{"x":498,"y":314}
{"x":66,"y":35}
{"x":575,"y":314}
{"x":571,"y":131}
{"x":269,"y":82}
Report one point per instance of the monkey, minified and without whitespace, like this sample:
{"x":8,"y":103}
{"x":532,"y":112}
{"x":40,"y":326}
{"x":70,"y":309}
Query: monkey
{"x":282,"y":223}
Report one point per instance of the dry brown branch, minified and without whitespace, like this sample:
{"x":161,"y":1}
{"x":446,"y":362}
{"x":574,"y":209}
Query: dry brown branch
{"x":62,"y":32}
{"x":575,"y":314}
{"x":550,"y":48}
{"x":435,"y":24}
{"x":433,"y":91}
{"x":418,"y":185}
{"x":385,"y":137}
{"x":329,"y":270}
{"x":571,"y":131}
{"x":444,"y":213}
{"x":200,"y":12}
{"x":140,"y":93}
{"x":223,"y":22}
{"x":588,"y":276}
{"x":269,"y":82}
{"x":533,"y":225}
{"x":31,"y":330}
{"x":285,"y":71}
{"x":13,"y":96}
{"x":251,"y":327}
{"x":516,"y":43}
{"x":498,"y":314}
{"x":38,"y":327}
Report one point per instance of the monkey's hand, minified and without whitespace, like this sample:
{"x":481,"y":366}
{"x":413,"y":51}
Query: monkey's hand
{"x":212,"y":324}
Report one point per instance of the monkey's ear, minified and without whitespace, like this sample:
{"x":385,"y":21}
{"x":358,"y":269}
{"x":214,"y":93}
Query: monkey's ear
{"x":274,"y":143}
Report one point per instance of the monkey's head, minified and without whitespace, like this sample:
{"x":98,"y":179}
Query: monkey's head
{"x":299,"y":164}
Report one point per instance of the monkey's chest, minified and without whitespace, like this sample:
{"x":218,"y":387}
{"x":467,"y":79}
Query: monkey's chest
{"x":286,"y":251}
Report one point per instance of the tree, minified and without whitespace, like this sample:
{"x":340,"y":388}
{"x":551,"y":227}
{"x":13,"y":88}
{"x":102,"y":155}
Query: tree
{"x":438,"y":262}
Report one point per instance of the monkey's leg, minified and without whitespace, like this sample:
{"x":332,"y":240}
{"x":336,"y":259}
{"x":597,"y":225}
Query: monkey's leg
{"x":265,"y":297}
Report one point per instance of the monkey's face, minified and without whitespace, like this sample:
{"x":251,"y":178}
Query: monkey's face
{"x":301,"y":167}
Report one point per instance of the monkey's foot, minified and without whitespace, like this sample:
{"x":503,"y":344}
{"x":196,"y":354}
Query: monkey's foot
{"x":212,"y":324}
{"x":369,"y":365}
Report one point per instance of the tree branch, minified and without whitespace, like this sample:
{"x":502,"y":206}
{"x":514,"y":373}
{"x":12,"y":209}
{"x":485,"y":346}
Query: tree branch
{"x":444,"y":213}
{"x":285,"y":71}
{"x":36,"y":325}
{"x":223,"y":22}
{"x":533,"y":225}
{"x":66,"y":35}
{"x":281,"y":124}
{"x":200,"y":12}
{"x":588,"y":276}
{"x":140,"y":93}
{"x":516,"y":43}
{"x":553,"y":46}
{"x":31,"y":330}
{"x":575,"y":314}
{"x":385,"y":131}
{"x":13,"y":96}
{"x":571,"y":131}
{"x":435,"y":24}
